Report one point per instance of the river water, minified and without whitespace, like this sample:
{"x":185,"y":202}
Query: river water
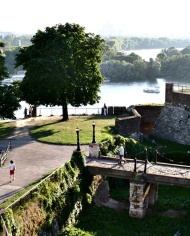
{"x":113,"y":94}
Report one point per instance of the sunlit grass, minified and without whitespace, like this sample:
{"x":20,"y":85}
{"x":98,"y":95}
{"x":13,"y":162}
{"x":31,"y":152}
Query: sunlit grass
{"x":65,"y":132}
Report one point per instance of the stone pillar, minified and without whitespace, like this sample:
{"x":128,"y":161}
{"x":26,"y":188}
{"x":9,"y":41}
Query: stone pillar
{"x":138,"y":202}
{"x":94,"y":150}
{"x":153,"y":194}
{"x":102,"y":193}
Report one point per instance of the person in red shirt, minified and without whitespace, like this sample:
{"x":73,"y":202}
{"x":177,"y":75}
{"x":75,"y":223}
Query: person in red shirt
{"x":12,"y":168}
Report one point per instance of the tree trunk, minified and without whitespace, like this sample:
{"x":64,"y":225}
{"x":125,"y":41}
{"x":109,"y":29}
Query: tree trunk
{"x":65,"y":113}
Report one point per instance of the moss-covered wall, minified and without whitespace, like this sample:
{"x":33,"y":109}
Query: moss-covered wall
{"x":55,"y":204}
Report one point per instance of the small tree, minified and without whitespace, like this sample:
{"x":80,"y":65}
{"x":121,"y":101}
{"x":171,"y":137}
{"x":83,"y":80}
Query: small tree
{"x":3,"y":70}
{"x":10,"y":97}
{"x":62,"y":67}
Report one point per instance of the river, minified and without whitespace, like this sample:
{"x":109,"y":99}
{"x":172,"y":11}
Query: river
{"x":113,"y":94}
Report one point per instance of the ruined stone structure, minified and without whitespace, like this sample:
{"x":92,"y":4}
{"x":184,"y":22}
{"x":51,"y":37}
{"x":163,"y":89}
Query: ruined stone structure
{"x":174,"y":121}
{"x":171,"y":121}
{"x":140,"y":120}
{"x":129,"y":125}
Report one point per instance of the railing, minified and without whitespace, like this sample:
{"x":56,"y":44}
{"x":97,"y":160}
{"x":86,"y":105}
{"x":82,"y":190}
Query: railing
{"x":182,"y":88}
{"x":4,"y":154}
{"x":51,"y":111}
{"x":154,"y":160}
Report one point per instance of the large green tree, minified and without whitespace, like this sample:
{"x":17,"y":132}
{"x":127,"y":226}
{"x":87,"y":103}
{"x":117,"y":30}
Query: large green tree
{"x":62,"y":67}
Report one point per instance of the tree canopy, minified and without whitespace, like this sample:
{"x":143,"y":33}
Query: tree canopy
{"x":62,"y":67}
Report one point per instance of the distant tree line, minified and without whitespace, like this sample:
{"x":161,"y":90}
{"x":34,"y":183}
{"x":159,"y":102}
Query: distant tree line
{"x":131,"y":43}
{"x":116,"y":65}
{"x":170,"y":63}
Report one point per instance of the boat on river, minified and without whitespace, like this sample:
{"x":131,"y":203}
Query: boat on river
{"x":151,"y":90}
{"x":106,"y":80}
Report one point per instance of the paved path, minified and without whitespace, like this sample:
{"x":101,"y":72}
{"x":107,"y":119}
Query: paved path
{"x":33,"y":159}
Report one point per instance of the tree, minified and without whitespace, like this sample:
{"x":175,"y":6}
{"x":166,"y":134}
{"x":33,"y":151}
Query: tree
{"x":62,"y":67}
{"x":3,"y":70}
{"x":10,"y":97}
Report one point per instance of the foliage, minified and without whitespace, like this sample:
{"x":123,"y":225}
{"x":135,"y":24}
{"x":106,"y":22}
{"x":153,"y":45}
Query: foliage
{"x":72,"y":231}
{"x":69,"y":73}
{"x":3,"y":69}
{"x":52,"y":200}
{"x":10,"y":97}
{"x":10,"y":54}
{"x":109,"y":147}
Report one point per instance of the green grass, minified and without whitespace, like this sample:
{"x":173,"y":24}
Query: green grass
{"x":109,"y":222}
{"x":6,"y":128}
{"x":59,"y":132}
{"x":167,"y":146}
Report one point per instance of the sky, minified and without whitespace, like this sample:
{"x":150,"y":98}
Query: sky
{"x":144,"y":18}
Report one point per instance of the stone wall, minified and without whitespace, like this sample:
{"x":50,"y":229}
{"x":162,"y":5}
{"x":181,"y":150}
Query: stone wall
{"x":128,"y":126}
{"x":174,"y":124}
{"x":176,"y":97}
{"x":149,"y":113}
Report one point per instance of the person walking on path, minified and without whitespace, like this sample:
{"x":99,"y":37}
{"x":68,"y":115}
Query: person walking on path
{"x":121,"y":153}
{"x":12,"y":168}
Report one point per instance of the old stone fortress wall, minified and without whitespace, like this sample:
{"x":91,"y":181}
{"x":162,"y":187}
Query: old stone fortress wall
{"x":171,"y":121}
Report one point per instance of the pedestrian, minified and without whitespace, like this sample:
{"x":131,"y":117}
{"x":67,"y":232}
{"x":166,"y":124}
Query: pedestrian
{"x":30,"y":111}
{"x":25,"y":112}
{"x":12,"y":168}
{"x":121,"y":153}
{"x":105,"y":109}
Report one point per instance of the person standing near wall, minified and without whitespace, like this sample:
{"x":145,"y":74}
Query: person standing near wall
{"x":105,"y":110}
{"x":25,"y":112}
{"x":121,"y":153}
{"x":12,"y":168}
{"x":30,"y":111}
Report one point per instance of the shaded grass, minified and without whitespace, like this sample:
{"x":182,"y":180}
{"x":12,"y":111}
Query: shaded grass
{"x":6,"y":128}
{"x":59,"y":132}
{"x":109,"y":222}
{"x":166,"y":145}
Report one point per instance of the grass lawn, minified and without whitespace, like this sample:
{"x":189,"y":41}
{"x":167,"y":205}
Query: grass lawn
{"x":65,"y":132}
{"x":6,"y":128}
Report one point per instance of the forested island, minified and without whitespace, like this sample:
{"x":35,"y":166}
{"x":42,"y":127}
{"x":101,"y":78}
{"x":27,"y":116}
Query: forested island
{"x":118,"y":66}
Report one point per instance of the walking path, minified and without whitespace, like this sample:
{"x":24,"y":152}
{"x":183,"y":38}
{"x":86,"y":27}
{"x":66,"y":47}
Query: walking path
{"x":33,"y":159}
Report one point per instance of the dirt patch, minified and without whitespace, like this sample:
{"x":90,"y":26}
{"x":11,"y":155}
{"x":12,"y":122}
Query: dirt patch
{"x":173,"y":213}
{"x":119,"y":206}
{"x":35,"y":120}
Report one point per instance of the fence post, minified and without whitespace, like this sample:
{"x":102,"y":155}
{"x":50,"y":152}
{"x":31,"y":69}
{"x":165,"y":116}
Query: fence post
{"x":135,"y":165}
{"x":145,"y":165}
{"x":156,"y":157}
